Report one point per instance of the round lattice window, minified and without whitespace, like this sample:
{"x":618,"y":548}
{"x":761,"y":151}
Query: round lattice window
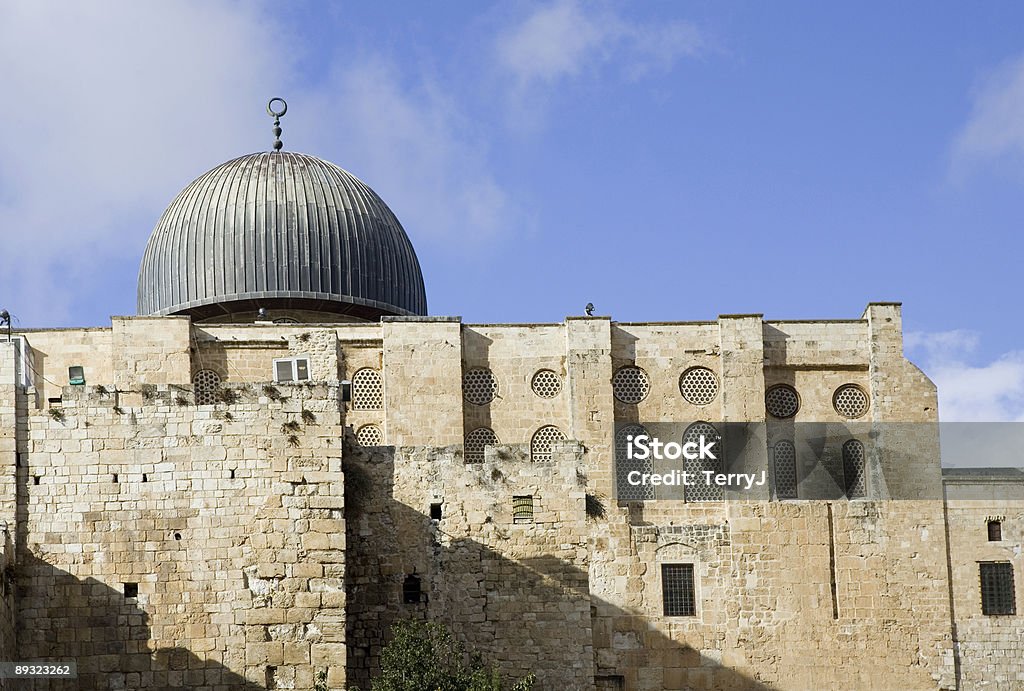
{"x":540,"y":445}
{"x":477,"y":441}
{"x":850,"y":401}
{"x":205,"y":385}
{"x":699,"y":385}
{"x":369,"y":435}
{"x":630,"y":384}
{"x":367,"y":390}
{"x":546,"y":383}
{"x":479,"y":386}
{"x":781,"y":401}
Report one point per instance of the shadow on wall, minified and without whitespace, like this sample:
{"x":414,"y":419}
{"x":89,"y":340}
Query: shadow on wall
{"x":519,"y":595}
{"x":115,"y":650}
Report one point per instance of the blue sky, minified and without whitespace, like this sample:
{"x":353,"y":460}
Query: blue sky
{"x":663,"y":160}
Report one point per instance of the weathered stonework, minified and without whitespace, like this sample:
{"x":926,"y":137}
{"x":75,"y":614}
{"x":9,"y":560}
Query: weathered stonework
{"x":267,"y":544}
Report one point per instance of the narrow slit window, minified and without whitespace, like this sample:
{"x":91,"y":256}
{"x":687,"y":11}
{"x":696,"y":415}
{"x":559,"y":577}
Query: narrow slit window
{"x":412,"y":589}
{"x":435,"y":512}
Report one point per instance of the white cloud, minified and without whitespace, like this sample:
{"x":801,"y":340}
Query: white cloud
{"x":110,"y":109}
{"x":995,"y":127}
{"x":415,"y":148}
{"x":565,"y":38}
{"x":988,"y":392}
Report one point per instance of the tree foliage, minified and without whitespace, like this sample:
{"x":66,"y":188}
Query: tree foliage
{"x":424,"y":656}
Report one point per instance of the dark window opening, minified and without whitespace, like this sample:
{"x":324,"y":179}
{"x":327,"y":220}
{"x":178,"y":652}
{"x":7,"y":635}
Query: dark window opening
{"x":35,"y":479}
{"x":412,"y":590}
{"x":115,"y":478}
{"x":131,"y":590}
{"x":995,"y":531}
{"x":677,"y":590}
{"x":177,"y":536}
{"x":232,"y":471}
{"x":435,"y":512}
{"x":19,"y":459}
{"x":997,"y":588}
{"x":57,"y":400}
{"x":271,"y":677}
{"x":145,"y":478}
{"x":522,"y":509}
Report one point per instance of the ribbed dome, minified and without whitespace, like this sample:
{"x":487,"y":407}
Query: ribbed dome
{"x":282,"y":231}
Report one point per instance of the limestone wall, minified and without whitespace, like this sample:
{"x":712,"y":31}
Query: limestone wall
{"x":227,"y":518}
{"x":991,"y":647}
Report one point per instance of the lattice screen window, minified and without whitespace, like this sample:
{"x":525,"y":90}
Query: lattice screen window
{"x":630,"y":384}
{"x":479,"y":386}
{"x":369,"y":435}
{"x":367,"y":390}
{"x":784,"y":454}
{"x":478,"y":440}
{"x":995,"y":531}
{"x":700,"y":489}
{"x":540,"y":445}
{"x":855,"y":469}
{"x":546,"y":383}
{"x":206,"y":384}
{"x":698,"y":385}
{"x":781,"y":401}
{"x":997,"y":595}
{"x":624,"y":466}
{"x":850,"y":401}
{"x":678,"y":594}
{"x":522,"y":509}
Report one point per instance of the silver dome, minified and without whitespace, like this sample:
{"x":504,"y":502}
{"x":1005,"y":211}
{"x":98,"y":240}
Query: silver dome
{"x":282,"y":231}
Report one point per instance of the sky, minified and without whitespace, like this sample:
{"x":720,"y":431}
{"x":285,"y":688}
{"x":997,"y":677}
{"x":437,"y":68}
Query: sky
{"x":663,"y":160}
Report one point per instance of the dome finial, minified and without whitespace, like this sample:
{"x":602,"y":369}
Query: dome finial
{"x":276,"y":114}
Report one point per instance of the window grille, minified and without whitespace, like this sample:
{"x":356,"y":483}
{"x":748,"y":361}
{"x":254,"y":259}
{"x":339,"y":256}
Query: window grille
{"x":698,"y":385}
{"x":781,"y":401}
{"x":546,"y":383}
{"x":997,"y":595}
{"x":995,"y":531}
{"x":679,"y":598}
{"x":367,"y":390}
{"x":625,"y":465}
{"x":855,"y":469}
{"x":478,"y":440}
{"x":850,"y":401}
{"x":369,"y":435}
{"x":785,"y":470}
{"x":699,"y":488}
{"x":479,"y":386}
{"x":540,"y":445}
{"x":522,"y":509}
{"x":205,"y":384}
{"x":630,"y":384}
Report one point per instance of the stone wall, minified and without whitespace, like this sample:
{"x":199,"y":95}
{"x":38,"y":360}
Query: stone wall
{"x":991,"y":647}
{"x":226,"y":520}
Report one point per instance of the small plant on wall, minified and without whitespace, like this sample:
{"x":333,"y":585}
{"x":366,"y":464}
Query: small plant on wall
{"x":56,"y":414}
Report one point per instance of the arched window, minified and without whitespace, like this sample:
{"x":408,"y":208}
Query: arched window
{"x":478,"y":440}
{"x":367,"y":390}
{"x":784,"y":457}
{"x":624,"y":466}
{"x":700,"y":489}
{"x":540,"y":445}
{"x":855,"y":469}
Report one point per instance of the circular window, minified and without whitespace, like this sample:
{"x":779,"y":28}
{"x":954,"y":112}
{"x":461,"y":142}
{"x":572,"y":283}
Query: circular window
{"x":630,"y":384}
{"x":781,"y":401}
{"x":546,"y":383}
{"x":479,"y":386}
{"x":369,"y":435}
{"x":850,"y":401}
{"x":540,"y":445}
{"x":699,"y":385}
{"x":367,"y":390}
{"x":477,"y":441}
{"x":205,"y":385}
